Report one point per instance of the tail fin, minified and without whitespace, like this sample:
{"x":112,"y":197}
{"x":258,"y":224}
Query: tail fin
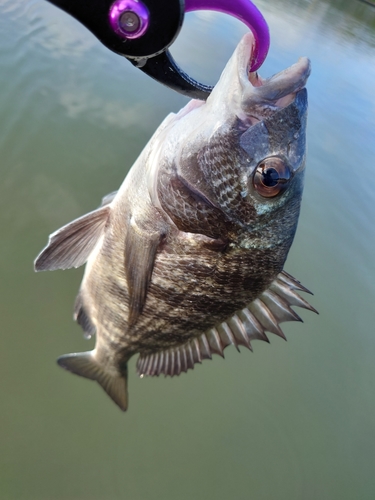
{"x":85,"y":365}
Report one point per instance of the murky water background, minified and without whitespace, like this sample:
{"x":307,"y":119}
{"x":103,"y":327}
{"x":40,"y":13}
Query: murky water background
{"x":292,"y":421}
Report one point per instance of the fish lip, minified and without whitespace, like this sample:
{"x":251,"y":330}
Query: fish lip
{"x":279,"y":90}
{"x":245,"y":58}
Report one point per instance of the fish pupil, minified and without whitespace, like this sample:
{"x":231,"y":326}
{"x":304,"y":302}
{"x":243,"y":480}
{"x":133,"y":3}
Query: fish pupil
{"x":270,"y":177}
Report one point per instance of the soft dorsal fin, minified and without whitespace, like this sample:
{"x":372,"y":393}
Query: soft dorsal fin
{"x":71,"y":245}
{"x":140,"y":251}
{"x":250,"y":323}
{"x":86,"y":365}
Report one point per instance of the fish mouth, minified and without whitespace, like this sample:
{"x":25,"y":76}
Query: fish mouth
{"x":259,"y":96}
{"x":246,"y":94}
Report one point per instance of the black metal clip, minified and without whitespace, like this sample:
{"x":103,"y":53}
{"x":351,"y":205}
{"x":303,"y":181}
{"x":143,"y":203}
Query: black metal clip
{"x":142,"y":31}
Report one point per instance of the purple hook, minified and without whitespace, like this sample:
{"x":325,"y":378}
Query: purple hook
{"x":129,"y":18}
{"x":245,"y":11}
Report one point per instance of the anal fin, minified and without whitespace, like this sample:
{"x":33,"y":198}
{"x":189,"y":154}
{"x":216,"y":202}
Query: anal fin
{"x":83,"y":319}
{"x":86,"y":365}
{"x":71,"y":245}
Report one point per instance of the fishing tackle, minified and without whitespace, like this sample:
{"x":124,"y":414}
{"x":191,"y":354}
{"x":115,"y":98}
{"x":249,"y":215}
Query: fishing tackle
{"x":143,"y":30}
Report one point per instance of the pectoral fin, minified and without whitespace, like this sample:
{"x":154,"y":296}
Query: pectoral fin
{"x":140,"y":251}
{"x":71,"y":245}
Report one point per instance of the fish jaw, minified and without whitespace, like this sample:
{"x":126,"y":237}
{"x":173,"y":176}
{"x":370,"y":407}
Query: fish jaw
{"x":247,"y":94}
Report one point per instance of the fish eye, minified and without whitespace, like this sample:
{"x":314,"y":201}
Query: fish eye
{"x":271,"y":177}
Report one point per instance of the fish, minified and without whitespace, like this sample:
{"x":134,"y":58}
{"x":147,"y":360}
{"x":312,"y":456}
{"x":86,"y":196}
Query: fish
{"x":187,"y":257}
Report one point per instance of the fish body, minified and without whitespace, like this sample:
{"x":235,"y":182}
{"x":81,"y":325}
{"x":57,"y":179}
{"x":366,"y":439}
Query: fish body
{"x":187,"y":257}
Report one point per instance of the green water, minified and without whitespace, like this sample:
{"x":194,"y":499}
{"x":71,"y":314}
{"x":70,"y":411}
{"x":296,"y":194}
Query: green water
{"x":293,"y":421}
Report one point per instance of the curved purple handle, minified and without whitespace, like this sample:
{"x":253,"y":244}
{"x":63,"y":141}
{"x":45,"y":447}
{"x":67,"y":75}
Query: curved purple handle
{"x":245,"y":11}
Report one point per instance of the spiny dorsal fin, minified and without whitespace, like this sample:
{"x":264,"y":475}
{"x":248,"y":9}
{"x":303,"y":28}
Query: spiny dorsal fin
{"x":250,"y":323}
{"x":71,"y":245}
{"x":140,"y":251}
{"x":85,"y":365}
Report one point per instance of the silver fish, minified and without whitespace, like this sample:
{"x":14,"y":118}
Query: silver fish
{"x":187,"y":257}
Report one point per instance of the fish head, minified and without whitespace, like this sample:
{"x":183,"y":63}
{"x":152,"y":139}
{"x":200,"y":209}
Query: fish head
{"x":240,"y":154}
